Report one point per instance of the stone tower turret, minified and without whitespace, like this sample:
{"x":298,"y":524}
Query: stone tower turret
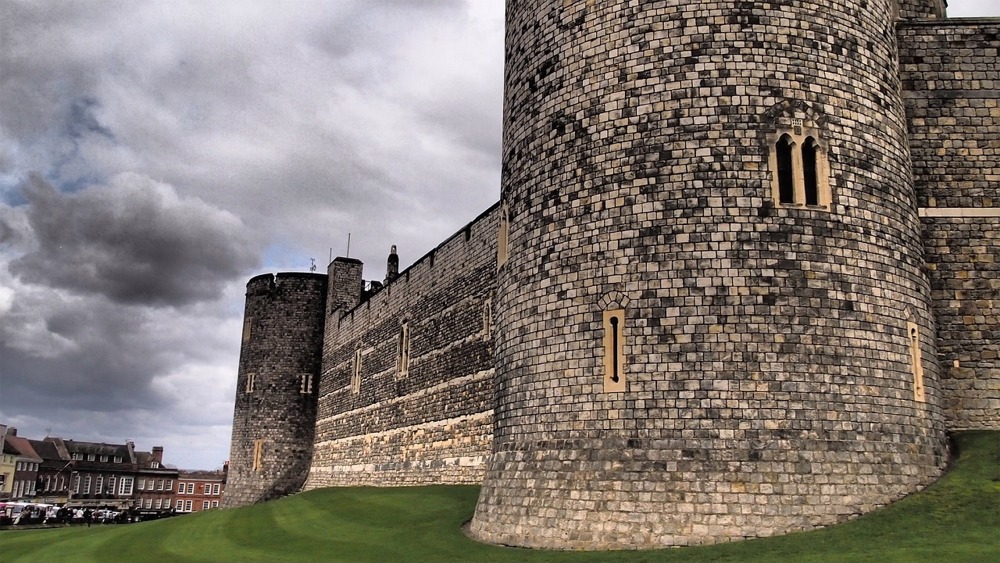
{"x":711,"y":320}
{"x":392,"y":265}
{"x":277,"y":385}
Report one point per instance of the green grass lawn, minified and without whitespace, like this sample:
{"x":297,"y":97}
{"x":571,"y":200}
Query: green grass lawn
{"x":957,"y":519}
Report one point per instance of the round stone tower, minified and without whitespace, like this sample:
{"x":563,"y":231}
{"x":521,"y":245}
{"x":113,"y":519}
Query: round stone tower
{"x":277,"y":387}
{"x":712,"y":321}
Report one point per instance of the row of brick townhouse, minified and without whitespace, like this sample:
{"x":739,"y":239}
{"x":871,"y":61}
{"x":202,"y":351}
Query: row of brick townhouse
{"x":19,"y":465}
{"x":75,"y":473}
{"x":199,"y":490}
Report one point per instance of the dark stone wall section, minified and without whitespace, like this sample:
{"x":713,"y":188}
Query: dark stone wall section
{"x":283,"y":340}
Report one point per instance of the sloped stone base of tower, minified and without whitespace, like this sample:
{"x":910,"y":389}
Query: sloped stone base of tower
{"x":253,"y":487}
{"x":619,"y":493}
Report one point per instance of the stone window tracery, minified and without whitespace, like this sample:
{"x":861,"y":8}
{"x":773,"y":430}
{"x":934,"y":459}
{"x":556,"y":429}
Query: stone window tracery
{"x":356,"y":377}
{"x":503,"y":236}
{"x":916,"y":362}
{"x":797,"y":156}
{"x":403,"y":351}
{"x":258,"y":454}
{"x":613,"y":341}
{"x":799,"y":169}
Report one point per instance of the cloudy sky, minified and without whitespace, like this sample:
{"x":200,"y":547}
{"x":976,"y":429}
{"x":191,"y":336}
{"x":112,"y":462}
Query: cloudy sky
{"x":154,"y":155}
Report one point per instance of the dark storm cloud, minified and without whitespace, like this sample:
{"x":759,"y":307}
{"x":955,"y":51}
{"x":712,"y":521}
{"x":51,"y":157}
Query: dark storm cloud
{"x":87,"y":357}
{"x":273,"y":129}
{"x":135,"y":241}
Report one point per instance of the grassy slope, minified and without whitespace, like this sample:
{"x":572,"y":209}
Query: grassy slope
{"x":957,"y":519}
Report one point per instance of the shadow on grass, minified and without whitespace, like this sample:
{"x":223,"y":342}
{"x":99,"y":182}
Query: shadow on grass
{"x":956,"y":519}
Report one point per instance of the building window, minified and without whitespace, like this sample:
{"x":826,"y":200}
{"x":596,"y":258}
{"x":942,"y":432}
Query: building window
{"x":125,"y":488}
{"x":154,"y":464}
{"x":916,"y":362}
{"x":86,"y":485}
{"x":159,"y":503}
{"x":356,"y":375}
{"x":180,"y":488}
{"x":205,"y":505}
{"x":215,"y":489}
{"x":159,"y":484}
{"x":488,"y":319}
{"x":188,"y":505}
{"x":810,"y":152}
{"x":403,"y":350}
{"x":258,"y":454}
{"x":169,"y":485}
{"x":614,"y":350}
{"x":111,"y":485}
{"x":118,"y":459}
{"x":190,"y":488}
{"x":250,"y":383}
{"x":215,"y":504}
{"x":99,"y":484}
{"x":104,"y":459}
{"x":91,"y":457}
{"x":799,"y":169}
{"x":786,"y":183}
{"x":180,"y":505}
{"x":503,"y":236}
{"x":142,"y":485}
{"x":77,"y":456}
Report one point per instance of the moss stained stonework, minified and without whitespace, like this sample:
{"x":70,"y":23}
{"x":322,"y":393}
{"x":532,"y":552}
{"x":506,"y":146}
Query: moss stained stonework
{"x":775,"y":365}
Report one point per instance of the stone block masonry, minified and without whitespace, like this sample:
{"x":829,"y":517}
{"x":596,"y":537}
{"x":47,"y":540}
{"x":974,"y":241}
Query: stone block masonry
{"x":951,"y":79}
{"x":275,"y":410}
{"x":742,"y":277}
{"x":427,"y":418}
{"x":780,"y":366}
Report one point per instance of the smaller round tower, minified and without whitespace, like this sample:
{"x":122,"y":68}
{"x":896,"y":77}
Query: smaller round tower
{"x":276,"y":389}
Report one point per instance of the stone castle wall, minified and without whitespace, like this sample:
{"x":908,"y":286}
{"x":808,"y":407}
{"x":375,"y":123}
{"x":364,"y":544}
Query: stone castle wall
{"x":951,"y":82}
{"x":769,"y":379}
{"x":275,"y":412}
{"x":921,"y":9}
{"x":432,"y":420}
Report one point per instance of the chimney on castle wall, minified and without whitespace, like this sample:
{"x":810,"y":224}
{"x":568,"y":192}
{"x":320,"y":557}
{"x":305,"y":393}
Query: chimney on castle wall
{"x":344,"y":283}
{"x":392,"y":265}
{"x":158,"y":455}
